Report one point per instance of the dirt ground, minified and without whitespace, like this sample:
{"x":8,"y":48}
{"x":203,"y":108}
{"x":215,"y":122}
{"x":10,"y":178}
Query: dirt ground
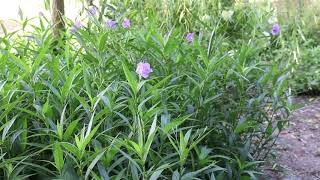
{"x":297,"y":152}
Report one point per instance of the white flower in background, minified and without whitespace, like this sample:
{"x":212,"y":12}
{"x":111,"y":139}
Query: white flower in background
{"x":272,"y":20}
{"x":227,"y":15}
{"x":13,"y":51}
{"x":231,"y":53}
{"x":206,"y":17}
{"x":265,"y":33}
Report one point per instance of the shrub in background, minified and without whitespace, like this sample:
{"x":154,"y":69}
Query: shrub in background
{"x":299,"y":43}
{"x":305,"y":78}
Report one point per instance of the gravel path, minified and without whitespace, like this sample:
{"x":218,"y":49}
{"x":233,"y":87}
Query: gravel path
{"x":297,"y":153}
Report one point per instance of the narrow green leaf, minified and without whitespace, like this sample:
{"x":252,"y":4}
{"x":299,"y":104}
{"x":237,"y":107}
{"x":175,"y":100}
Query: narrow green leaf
{"x":152,"y":132}
{"x":58,"y":156}
{"x":93,"y":163}
{"x":168,"y":127}
{"x":70,"y":130}
{"x":130,"y":78}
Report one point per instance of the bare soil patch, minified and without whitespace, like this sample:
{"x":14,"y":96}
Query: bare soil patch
{"x":297,"y":151}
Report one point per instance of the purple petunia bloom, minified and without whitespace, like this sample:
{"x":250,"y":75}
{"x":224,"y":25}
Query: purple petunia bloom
{"x":30,"y":37}
{"x":93,"y":11}
{"x":76,"y":26}
{"x":73,"y":29}
{"x":126,"y":23}
{"x":275,"y":29}
{"x":190,"y":37}
{"x":190,"y":109}
{"x":111,"y":24}
{"x":144,"y":69}
{"x":41,"y":14}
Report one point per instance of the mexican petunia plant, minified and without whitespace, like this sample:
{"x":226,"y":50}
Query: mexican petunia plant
{"x":140,"y":101}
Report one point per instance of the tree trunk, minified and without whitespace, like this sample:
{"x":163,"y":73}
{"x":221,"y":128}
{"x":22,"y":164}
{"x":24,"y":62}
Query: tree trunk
{"x":57,"y":13}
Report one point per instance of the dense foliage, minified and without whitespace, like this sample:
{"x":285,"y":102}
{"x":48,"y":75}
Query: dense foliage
{"x":300,"y":43}
{"x":131,"y":94}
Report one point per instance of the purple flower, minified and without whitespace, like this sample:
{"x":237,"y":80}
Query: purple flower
{"x":76,"y":26}
{"x":73,"y":29}
{"x":190,"y":37}
{"x":111,"y":24}
{"x":275,"y":29}
{"x":93,"y":11}
{"x":144,"y":69}
{"x":41,"y":14}
{"x":126,"y":23}
{"x":30,"y":37}
{"x":190,"y":109}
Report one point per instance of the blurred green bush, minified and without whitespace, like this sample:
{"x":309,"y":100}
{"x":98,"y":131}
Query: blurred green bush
{"x":300,"y":43}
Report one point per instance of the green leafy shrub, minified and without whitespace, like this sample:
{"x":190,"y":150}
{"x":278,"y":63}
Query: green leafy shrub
{"x":210,"y":108}
{"x":299,"y":49}
{"x":306,"y":73}
{"x":299,"y":44}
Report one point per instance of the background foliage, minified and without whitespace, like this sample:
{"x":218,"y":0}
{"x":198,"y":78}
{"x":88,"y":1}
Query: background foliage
{"x":302,"y":21}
